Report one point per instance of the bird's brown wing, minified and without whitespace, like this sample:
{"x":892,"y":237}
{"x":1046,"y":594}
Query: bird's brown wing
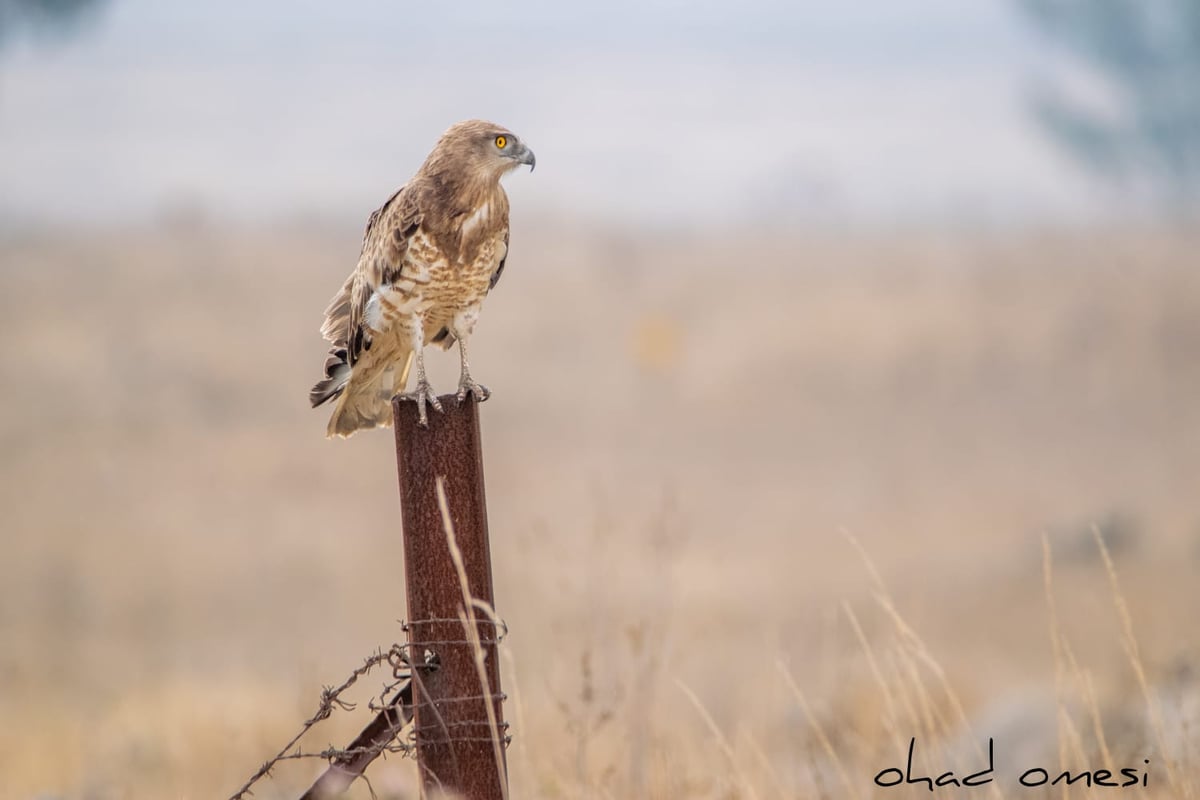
{"x":499,"y":267}
{"x":385,"y":243}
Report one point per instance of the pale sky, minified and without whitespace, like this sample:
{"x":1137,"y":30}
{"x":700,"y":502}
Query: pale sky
{"x":671,"y":112}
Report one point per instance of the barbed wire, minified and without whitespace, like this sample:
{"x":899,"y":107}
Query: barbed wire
{"x":395,"y":656}
{"x":396,"y":696}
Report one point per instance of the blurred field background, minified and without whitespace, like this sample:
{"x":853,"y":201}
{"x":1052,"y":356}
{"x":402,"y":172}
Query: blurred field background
{"x":818,"y":325}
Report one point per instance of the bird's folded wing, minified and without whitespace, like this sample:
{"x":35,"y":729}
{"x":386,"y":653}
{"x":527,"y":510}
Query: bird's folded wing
{"x":380,"y":261}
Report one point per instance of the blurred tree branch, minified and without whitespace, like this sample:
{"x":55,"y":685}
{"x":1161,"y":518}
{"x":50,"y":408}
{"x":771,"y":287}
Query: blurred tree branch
{"x":43,"y":16}
{"x":1146,"y":55}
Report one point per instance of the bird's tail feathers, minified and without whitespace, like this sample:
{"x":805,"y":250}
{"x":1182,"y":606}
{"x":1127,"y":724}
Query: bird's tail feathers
{"x":358,"y":410}
{"x":337,"y":373}
{"x":362,"y":399}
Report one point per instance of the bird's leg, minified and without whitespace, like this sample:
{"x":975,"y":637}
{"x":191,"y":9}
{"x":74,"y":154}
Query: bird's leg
{"x":422,"y":393}
{"x":462,"y":327}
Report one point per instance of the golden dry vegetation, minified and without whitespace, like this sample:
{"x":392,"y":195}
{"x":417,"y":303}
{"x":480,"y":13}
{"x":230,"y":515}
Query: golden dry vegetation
{"x":763,"y":507}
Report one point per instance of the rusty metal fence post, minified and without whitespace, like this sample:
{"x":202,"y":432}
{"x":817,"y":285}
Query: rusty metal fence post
{"x":459,"y":750}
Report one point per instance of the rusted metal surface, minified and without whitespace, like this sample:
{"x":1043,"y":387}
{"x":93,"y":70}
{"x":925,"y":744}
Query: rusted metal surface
{"x":365,"y":748}
{"x":456,"y":743}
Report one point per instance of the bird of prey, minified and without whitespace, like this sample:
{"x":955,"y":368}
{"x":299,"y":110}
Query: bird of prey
{"x":429,"y":256}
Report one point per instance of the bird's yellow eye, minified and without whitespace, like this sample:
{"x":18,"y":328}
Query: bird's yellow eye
{"x":501,"y":141}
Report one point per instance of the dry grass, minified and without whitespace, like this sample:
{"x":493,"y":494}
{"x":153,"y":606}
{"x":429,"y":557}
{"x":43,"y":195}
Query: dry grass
{"x":683,"y":428}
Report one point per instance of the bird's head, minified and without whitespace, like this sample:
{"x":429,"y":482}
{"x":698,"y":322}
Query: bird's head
{"x":487,"y":146}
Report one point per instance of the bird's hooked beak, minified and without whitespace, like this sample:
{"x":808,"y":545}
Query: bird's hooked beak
{"x":525,"y":156}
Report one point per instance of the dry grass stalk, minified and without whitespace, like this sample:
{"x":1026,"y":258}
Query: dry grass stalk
{"x":470,"y":626}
